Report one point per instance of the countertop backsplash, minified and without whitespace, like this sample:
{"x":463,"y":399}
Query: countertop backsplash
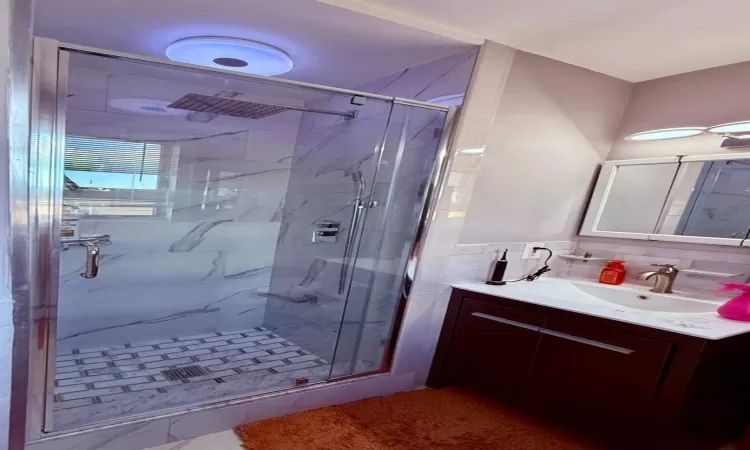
{"x":472,"y":262}
{"x":639,"y":256}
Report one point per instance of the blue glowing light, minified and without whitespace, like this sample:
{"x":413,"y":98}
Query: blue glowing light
{"x":240,"y":55}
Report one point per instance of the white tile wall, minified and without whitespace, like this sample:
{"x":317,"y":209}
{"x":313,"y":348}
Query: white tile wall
{"x":473,"y":261}
{"x":639,"y":256}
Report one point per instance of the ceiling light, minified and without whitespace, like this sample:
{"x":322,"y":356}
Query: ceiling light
{"x":147,"y":106}
{"x":666,"y":133}
{"x":240,"y":55}
{"x":734,"y":127}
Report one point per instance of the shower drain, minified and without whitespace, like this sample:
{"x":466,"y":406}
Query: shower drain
{"x":183,"y":373}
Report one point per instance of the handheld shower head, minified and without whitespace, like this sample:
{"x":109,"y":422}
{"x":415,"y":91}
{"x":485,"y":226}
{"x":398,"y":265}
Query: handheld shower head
{"x":359,"y":180}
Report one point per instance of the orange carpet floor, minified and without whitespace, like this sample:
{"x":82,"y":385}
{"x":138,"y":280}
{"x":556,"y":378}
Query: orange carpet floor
{"x":433,"y":419}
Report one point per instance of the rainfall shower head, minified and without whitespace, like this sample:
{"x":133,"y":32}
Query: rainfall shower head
{"x":213,"y":104}
{"x":226,"y":106}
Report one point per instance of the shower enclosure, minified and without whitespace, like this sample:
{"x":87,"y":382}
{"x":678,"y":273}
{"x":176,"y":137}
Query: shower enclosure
{"x":204,"y":235}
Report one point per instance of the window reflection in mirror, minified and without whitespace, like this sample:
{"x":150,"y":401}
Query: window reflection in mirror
{"x":636,"y":197}
{"x":710,"y":199}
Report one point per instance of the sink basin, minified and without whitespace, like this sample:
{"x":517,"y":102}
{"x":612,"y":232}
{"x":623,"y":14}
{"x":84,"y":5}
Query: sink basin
{"x":634,"y":298}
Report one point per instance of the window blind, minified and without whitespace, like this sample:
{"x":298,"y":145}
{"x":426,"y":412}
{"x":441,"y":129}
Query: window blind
{"x":112,"y":156}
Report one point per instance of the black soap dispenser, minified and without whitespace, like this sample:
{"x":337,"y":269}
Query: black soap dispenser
{"x":498,"y":272}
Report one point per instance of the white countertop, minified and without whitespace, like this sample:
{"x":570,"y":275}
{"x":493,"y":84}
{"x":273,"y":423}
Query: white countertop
{"x":562,"y":293}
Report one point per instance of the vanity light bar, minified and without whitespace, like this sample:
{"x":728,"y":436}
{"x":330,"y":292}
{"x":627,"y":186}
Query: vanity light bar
{"x":731,"y":128}
{"x":666,"y":133}
{"x":727,"y":129}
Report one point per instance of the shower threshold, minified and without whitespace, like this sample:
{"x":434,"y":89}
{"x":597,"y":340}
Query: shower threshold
{"x":105,"y":383}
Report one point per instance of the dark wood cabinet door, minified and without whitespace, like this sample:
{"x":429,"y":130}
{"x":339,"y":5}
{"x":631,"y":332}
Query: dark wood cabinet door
{"x":594,"y":377}
{"x":492,"y":348}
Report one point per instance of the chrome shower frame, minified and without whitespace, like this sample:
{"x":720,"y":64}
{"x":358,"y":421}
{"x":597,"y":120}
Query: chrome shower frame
{"x":42,"y":215}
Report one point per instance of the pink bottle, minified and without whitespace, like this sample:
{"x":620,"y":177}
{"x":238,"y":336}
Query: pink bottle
{"x":737,"y":308}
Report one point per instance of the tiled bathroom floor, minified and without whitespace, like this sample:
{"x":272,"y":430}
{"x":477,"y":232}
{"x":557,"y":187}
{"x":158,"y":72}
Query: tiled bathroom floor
{"x":107,"y":382}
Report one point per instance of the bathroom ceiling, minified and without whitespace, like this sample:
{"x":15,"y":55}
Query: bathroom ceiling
{"x":329,"y":45}
{"x":634,"y":40}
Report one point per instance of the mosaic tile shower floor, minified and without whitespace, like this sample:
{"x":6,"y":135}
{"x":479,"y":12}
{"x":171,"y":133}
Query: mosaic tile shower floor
{"x":99,"y":384}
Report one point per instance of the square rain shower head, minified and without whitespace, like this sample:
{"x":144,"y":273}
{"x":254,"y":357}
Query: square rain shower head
{"x":226,"y":106}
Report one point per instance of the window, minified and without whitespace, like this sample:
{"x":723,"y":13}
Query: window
{"x":112,"y":164}
{"x":110,"y":177}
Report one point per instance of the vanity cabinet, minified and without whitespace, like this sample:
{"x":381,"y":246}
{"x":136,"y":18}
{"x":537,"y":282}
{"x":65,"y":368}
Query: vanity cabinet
{"x":579,"y":371}
{"x":601,"y":376}
{"x":493,"y":348}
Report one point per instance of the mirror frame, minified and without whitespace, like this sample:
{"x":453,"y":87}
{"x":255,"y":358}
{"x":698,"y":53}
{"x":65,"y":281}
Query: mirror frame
{"x":605,"y":180}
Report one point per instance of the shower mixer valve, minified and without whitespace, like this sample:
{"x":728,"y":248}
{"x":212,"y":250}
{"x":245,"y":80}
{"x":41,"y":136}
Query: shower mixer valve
{"x":327,"y":231}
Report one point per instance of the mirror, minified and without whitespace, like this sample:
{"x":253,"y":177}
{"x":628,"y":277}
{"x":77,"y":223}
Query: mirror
{"x":698,"y":199}
{"x":710,"y":199}
{"x":637,"y":187}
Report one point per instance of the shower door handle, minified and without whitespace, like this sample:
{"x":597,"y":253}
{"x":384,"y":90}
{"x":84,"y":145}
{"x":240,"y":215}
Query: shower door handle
{"x":91,"y":269}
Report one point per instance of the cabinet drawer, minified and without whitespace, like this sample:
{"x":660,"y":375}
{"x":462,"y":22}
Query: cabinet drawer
{"x":594,"y":375}
{"x":493,"y":347}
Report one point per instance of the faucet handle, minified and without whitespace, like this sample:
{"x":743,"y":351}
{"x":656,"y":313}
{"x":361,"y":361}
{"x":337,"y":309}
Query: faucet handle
{"x":666,"y":268}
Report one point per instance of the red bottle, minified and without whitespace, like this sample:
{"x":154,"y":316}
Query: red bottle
{"x":613,"y":273}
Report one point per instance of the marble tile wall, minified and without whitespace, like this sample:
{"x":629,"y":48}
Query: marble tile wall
{"x":305,"y":303}
{"x":202,"y":262}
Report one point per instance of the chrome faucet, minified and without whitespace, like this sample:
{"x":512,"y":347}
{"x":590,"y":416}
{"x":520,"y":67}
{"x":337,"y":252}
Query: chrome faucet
{"x":665,"y":277}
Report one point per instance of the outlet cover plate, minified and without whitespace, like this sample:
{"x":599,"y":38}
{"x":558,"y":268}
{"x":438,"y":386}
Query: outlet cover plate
{"x":528,"y":250}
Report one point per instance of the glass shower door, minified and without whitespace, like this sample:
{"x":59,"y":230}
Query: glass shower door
{"x":387,"y":249}
{"x":330,"y":188}
{"x":201,"y":252}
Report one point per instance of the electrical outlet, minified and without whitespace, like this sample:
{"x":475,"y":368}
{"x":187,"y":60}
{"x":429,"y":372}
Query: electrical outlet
{"x":528,"y":250}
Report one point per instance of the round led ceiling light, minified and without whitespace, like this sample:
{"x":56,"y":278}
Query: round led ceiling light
{"x":147,"y":106}
{"x":240,"y":55}
{"x":734,"y":127}
{"x":666,"y":133}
